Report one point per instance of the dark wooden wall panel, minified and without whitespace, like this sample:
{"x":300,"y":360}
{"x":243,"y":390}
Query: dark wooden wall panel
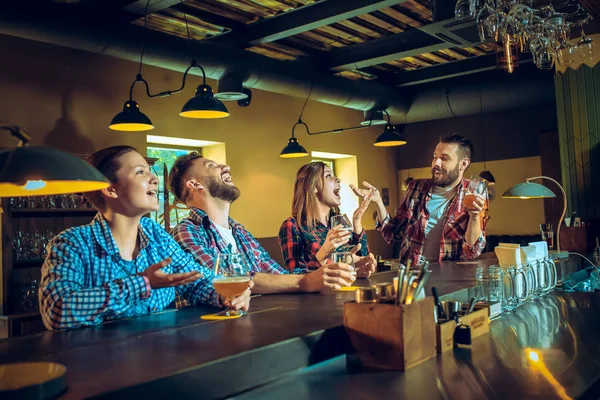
{"x":578,"y":101}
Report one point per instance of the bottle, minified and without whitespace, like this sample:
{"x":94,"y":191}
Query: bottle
{"x":596,"y":255}
{"x":549,"y":236}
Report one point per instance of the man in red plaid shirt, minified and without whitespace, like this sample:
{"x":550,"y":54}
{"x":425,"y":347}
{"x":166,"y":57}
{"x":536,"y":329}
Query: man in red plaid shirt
{"x":431,"y":221}
{"x":206,"y":187}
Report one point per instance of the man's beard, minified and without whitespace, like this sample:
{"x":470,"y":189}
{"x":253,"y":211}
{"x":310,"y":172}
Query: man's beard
{"x":220,"y":190}
{"x":446,"y":180}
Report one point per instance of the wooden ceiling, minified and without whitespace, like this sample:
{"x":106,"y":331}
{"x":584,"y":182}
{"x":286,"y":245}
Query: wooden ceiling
{"x":215,"y":19}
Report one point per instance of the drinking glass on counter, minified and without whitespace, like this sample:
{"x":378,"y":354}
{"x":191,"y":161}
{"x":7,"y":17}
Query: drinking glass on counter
{"x":490,"y":284}
{"x":477,"y":185}
{"x":231,"y":278}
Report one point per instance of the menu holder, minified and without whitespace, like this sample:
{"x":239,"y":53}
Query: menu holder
{"x":478,"y":322}
{"x":389,"y":337}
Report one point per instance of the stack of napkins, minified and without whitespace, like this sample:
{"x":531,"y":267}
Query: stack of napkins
{"x":508,"y":256}
{"x":541,"y":249}
{"x":529,"y":254}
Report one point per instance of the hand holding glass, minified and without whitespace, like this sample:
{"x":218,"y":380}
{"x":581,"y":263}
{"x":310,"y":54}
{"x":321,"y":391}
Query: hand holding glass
{"x":343,"y":221}
{"x":477,"y":185}
{"x":231,"y":278}
{"x":345,"y":257}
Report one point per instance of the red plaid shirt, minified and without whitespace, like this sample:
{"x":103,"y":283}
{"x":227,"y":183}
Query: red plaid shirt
{"x":408,"y":225}
{"x":197,"y":235}
{"x":300,"y":245}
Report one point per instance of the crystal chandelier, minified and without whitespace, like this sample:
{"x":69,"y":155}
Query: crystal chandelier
{"x":542,"y":29}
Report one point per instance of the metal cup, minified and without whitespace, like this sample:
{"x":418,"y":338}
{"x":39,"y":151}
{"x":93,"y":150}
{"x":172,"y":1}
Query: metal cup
{"x":385,"y":291}
{"x":366,"y":294}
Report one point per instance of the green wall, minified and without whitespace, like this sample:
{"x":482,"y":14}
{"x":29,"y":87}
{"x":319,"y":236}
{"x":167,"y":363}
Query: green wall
{"x":578,"y":109}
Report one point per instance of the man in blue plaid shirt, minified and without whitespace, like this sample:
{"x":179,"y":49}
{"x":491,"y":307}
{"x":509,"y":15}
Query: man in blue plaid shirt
{"x":121,"y":264}
{"x":205,"y":186}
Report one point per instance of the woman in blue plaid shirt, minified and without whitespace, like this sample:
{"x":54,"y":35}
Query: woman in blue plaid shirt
{"x":121,"y":264}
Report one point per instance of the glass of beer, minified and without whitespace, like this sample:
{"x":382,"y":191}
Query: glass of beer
{"x":231,"y":278}
{"x":477,"y":185}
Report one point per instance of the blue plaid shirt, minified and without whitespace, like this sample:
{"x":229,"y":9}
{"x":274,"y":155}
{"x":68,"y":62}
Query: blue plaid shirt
{"x":85,"y":281}
{"x":197,"y":235}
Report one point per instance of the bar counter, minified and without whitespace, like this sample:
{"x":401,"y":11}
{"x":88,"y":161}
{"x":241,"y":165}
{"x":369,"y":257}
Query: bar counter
{"x":292,"y":346}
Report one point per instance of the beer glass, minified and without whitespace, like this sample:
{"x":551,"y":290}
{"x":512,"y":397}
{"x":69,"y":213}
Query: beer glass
{"x":477,"y":185}
{"x":231,"y":278}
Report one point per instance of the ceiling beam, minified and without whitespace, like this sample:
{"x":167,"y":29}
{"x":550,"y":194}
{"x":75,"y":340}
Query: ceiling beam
{"x":301,"y":20}
{"x":451,"y":70}
{"x":410,"y":43}
{"x":378,"y":51}
{"x":138,"y":7}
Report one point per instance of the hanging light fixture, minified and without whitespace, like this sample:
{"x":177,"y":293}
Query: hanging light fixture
{"x":203,"y":105}
{"x":37,"y":170}
{"x":293,"y":149}
{"x":374,"y":117}
{"x":131,"y":119}
{"x":390,"y":136}
{"x":507,"y":55}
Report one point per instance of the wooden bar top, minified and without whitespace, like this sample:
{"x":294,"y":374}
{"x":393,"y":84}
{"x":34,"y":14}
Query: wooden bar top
{"x":177,"y":354}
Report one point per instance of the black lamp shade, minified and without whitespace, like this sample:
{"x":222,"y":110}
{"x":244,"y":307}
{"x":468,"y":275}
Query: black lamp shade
{"x":487,"y":175}
{"x":204,"y":105}
{"x":36,"y":171}
{"x":293,"y":150}
{"x":131,"y":119}
{"x":374,"y":117}
{"x":390,"y":137}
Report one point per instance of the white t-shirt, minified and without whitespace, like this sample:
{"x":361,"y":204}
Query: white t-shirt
{"x":227,"y":235}
{"x":440,"y":199}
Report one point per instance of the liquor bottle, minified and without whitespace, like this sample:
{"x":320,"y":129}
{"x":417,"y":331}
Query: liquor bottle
{"x":596,"y":255}
{"x":549,"y":233}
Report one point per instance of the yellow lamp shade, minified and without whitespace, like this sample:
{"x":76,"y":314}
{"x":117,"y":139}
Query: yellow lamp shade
{"x":293,"y":150}
{"x":204,"y":105}
{"x":131,"y":119}
{"x":37,"y":171}
{"x":390,"y":137}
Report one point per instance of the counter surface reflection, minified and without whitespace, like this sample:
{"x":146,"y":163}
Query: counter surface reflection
{"x":547,"y":349}
{"x":292,"y":346}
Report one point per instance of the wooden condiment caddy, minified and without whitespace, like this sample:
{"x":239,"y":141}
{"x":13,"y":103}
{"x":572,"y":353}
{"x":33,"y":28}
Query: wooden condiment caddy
{"x":389,"y":337}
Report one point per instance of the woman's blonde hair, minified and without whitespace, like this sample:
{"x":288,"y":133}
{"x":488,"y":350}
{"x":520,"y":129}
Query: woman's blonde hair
{"x":309,"y":182}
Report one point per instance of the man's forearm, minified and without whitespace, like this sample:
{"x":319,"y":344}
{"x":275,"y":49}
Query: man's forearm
{"x":474,"y":231}
{"x":292,"y":283}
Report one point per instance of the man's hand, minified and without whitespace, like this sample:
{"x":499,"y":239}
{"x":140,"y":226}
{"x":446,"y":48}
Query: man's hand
{"x":337,"y":275}
{"x":478,"y":204}
{"x":375,"y":198}
{"x":362,"y":193}
{"x":159,"y":279}
{"x":241,"y":301}
{"x":365,"y":266}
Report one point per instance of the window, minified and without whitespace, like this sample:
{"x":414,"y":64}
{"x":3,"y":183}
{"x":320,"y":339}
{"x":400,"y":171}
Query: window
{"x":166,"y":158}
{"x":329,"y":163}
{"x":166,"y":153}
